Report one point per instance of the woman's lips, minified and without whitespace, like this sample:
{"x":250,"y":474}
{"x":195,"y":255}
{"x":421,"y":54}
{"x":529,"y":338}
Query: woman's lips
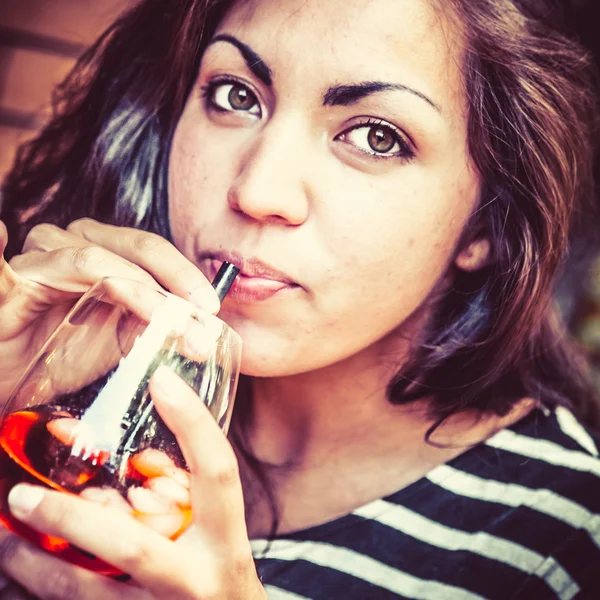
{"x":248,"y":289}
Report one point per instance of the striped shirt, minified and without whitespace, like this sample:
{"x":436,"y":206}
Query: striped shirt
{"x":515,"y":517}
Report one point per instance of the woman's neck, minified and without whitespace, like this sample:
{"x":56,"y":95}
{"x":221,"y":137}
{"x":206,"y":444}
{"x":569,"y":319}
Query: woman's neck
{"x":330,"y":441}
{"x":305,"y":419}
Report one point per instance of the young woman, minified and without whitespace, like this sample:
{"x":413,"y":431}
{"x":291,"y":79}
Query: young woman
{"x":397,"y":181}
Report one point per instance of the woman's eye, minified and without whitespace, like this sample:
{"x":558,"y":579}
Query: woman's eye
{"x":232,"y":96}
{"x":378,"y":140}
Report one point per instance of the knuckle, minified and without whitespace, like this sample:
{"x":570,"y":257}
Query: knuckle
{"x":240,"y":562}
{"x":83,"y":257}
{"x":226,"y":473}
{"x":144,"y":242}
{"x":80,"y":225}
{"x":185,"y":272}
{"x":135,"y":556}
{"x":62,"y":585}
{"x":38,"y":234}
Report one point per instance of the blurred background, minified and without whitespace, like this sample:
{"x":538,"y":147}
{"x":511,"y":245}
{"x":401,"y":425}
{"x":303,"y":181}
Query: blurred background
{"x":40,"y":41}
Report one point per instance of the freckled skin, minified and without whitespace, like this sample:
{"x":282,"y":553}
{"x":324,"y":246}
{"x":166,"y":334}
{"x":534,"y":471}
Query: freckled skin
{"x":366,"y":238}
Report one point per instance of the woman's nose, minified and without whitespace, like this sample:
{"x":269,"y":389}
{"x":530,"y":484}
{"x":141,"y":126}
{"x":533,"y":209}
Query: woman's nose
{"x":271,"y":184}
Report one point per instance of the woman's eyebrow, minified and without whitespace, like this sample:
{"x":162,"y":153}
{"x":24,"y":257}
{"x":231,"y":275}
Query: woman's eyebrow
{"x":345,"y":95}
{"x":255,"y":63}
{"x":339,"y":95}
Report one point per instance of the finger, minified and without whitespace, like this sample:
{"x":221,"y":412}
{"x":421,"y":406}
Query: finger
{"x":171,"y":490}
{"x":16,"y":311}
{"x":47,"y":577}
{"x":46,"y":238}
{"x":107,"y":497}
{"x":142,"y":300}
{"x":169,"y":525}
{"x":217,"y":499}
{"x":159,"y":510}
{"x":75,"y":268}
{"x":79,"y":263}
{"x":201,"y":336}
{"x":155,"y":255}
{"x":106,"y":532}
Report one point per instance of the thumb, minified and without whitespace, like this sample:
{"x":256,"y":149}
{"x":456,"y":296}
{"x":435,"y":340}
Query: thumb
{"x":217,"y":498}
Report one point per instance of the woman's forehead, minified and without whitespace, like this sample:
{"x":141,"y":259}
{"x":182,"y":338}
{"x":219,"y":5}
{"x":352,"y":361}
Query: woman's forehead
{"x":327,"y":41}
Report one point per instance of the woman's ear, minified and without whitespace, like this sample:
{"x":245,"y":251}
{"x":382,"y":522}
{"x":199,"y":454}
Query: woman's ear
{"x":474,"y":256}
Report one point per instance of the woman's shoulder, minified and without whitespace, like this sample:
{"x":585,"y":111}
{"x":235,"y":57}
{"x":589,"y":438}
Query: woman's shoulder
{"x":546,"y":459}
{"x":537,"y":481}
{"x":532,"y":494}
{"x":545,"y":449}
{"x":559,"y":427}
{"x":516,"y":516}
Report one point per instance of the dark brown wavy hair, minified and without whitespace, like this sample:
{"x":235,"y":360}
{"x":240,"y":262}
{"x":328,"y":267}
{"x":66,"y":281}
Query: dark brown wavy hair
{"x":495,"y":335}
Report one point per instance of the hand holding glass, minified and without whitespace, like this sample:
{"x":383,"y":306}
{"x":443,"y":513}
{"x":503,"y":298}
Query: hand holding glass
{"x":81,"y":419}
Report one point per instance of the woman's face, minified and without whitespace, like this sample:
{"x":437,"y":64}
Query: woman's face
{"x":324,"y":149}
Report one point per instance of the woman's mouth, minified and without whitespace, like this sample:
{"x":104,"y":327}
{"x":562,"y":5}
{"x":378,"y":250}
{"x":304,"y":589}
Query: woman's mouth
{"x":256,"y":281}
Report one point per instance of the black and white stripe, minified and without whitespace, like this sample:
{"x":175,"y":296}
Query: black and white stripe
{"x":516,"y":517}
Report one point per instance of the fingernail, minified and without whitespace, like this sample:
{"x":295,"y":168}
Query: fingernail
{"x":206,"y":298}
{"x":24,"y":499}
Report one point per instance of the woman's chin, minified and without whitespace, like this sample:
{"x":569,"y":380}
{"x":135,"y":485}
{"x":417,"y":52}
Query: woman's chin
{"x":262,"y":366}
{"x":266,"y":352}
{"x":273,"y":363}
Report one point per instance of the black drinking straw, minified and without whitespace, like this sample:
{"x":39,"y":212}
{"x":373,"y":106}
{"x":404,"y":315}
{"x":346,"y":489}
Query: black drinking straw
{"x":224,"y":279}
